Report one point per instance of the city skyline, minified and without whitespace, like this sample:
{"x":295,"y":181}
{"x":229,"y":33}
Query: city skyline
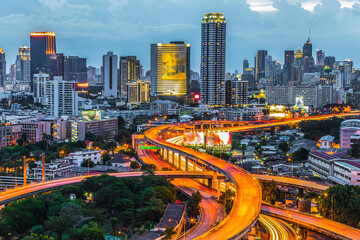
{"x":251,"y":27}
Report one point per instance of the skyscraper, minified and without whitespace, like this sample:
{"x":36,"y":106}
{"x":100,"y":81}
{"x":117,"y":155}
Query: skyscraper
{"x":2,"y":67}
{"x":75,"y":69}
{"x":42,"y":53}
{"x":129,"y":71}
{"x":213,"y":56}
{"x":110,"y":75}
{"x":320,"y":57}
{"x":329,"y":61}
{"x":23,"y":64}
{"x":260,"y":65}
{"x":307,"y":49}
{"x":245,"y":65}
{"x":288,"y":67}
{"x":170,"y":68}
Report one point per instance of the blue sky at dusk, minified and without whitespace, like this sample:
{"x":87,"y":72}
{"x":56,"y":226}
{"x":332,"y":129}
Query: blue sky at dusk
{"x":90,"y":28}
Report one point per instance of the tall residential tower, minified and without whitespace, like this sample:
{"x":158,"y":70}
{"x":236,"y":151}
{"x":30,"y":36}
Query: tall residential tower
{"x":110,"y":75}
{"x":213,"y":56}
{"x":2,"y":68}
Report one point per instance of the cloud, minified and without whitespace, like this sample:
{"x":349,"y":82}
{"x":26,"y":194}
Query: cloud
{"x":262,"y":6}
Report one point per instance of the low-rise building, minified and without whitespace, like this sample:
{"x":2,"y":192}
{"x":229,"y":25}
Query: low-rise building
{"x":120,"y":160}
{"x":348,"y":129}
{"x":335,"y":167}
{"x":78,"y":157}
{"x":9,"y":133}
{"x":56,"y":169}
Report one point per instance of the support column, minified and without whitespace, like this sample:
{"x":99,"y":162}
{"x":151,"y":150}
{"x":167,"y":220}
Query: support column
{"x":186,"y":163}
{"x":43,"y":167}
{"x":168,"y":156}
{"x":24,"y":170}
{"x":215,"y":180}
{"x":218,"y":189}
{"x":173,"y":158}
{"x":195,"y":165}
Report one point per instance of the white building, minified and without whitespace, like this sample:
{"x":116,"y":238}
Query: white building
{"x":78,"y":157}
{"x":39,"y":87}
{"x":56,"y":169}
{"x":61,"y":97}
{"x":110,"y":75}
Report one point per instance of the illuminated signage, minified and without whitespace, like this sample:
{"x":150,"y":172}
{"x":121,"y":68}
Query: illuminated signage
{"x":194,"y":138}
{"x":83,"y":85}
{"x":197,"y":96}
{"x":92,"y":115}
{"x":218,"y":139}
{"x":148,"y":147}
{"x":277,"y":111}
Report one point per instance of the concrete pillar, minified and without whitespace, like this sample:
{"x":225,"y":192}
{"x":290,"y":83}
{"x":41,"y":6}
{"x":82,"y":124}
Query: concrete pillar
{"x":195,"y":164}
{"x":167,"y":157}
{"x":24,"y":170}
{"x":43,"y":167}
{"x":215,"y":180}
{"x":173,"y":158}
{"x":186,"y":163}
{"x":218,"y":189}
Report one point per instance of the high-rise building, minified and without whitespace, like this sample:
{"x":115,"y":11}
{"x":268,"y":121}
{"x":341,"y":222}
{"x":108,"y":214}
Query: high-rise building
{"x":129,"y":72}
{"x":213,"y":56}
{"x":75,"y":69}
{"x":170,"y":68}
{"x":23,"y":64}
{"x":245,"y":65}
{"x":12,"y":72}
{"x":260,"y":65}
{"x":43,"y":53}
{"x":239,"y":92}
{"x":60,"y":64}
{"x":288,"y":67}
{"x":2,"y":67}
{"x":307,"y":48}
{"x":61,"y":97}
{"x":110,"y":75}
{"x":39,"y":82}
{"x":329,"y":61}
{"x":138,"y":92}
{"x":320,"y":57}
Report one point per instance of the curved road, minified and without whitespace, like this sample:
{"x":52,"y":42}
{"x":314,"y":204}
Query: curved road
{"x":278,"y":230}
{"x":247,"y":203}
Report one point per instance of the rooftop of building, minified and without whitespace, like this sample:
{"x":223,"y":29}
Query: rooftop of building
{"x":327,"y":138}
{"x":353,"y":165}
{"x":120,"y":158}
{"x":327,"y":156}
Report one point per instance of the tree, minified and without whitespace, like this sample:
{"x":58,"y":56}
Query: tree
{"x":22,"y":140}
{"x":105,"y":158}
{"x":58,"y":224}
{"x":22,"y":215}
{"x":270,"y":192}
{"x":169,"y":233}
{"x":134,"y":165}
{"x":300,"y":155}
{"x":91,"y":231}
{"x":35,"y":236}
{"x":87,"y":163}
{"x":64,"y":150}
{"x":243,"y":147}
{"x":342,"y":202}
{"x":90,"y":136}
{"x":193,"y":204}
{"x":227,"y":200}
{"x":110,"y":146}
{"x":284,"y":146}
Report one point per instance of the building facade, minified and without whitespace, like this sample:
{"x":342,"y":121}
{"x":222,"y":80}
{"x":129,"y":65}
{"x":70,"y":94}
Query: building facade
{"x":138,"y":92}
{"x":348,"y":129}
{"x":2,"y":67}
{"x":170,"y":68}
{"x":75,"y":69}
{"x":23,"y":62}
{"x":213,"y":57}
{"x":129,"y":72}
{"x":110,"y":75}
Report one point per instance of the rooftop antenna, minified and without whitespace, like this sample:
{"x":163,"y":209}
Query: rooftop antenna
{"x":309,"y":34}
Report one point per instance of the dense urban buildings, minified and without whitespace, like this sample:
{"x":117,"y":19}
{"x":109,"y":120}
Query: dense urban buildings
{"x":170,"y":68}
{"x":138,"y":92}
{"x":23,"y":64}
{"x":75,"y":69}
{"x":213,"y":56}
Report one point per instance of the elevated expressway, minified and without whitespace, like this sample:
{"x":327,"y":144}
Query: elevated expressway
{"x":248,"y":193}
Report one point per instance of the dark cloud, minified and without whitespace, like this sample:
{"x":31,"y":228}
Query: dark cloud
{"x":89,"y":28}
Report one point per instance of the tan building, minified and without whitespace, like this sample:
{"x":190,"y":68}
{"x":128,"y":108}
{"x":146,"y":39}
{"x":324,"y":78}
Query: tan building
{"x":138,"y":92}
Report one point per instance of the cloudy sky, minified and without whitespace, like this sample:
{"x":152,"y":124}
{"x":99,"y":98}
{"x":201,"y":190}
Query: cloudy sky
{"x":90,"y":28}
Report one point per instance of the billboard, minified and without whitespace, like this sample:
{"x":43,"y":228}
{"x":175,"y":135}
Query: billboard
{"x":194,"y":138}
{"x":92,"y":115}
{"x":299,"y":101}
{"x":173,"y":66}
{"x":218,"y":139}
{"x":277,"y":111}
